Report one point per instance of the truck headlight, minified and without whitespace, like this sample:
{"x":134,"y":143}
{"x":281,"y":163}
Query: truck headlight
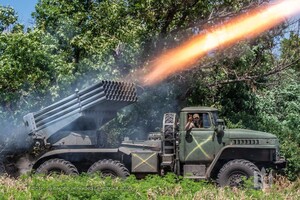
{"x":277,"y":154}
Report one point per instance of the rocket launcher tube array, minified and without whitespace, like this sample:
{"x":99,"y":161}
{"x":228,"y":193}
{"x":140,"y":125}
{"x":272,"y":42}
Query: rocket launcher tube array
{"x":69,"y":109}
{"x":67,"y":105}
{"x":67,"y":99}
{"x":103,"y":97}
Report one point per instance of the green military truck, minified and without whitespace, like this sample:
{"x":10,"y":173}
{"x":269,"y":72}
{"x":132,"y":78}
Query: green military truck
{"x":65,"y":137}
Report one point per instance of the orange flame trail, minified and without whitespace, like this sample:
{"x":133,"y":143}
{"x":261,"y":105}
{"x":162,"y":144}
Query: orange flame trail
{"x":245,"y":26}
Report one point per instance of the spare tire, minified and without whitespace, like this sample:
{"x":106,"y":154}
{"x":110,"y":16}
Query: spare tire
{"x":169,"y":125}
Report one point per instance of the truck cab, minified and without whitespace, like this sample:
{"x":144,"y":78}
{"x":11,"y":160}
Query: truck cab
{"x":200,"y":143}
{"x":209,"y":150}
{"x":204,"y":150}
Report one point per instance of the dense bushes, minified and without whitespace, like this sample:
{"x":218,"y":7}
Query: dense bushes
{"x":152,"y":187}
{"x":278,"y":113}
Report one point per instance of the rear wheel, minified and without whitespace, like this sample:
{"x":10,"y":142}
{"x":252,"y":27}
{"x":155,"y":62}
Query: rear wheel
{"x":110,"y":168}
{"x":57,"y":166}
{"x":234,"y":173}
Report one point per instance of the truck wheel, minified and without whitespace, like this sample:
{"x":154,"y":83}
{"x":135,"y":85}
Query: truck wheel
{"x":232,"y":173}
{"x":110,"y":168}
{"x":56,"y":165}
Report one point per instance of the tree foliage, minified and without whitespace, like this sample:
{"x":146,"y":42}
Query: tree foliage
{"x":255,"y":83}
{"x":7,"y":17}
{"x":96,"y":37}
{"x":279,"y":106}
{"x":279,"y":110}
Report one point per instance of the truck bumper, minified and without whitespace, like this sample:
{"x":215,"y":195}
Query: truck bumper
{"x":280,"y":164}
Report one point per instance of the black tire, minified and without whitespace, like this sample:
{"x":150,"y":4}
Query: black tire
{"x":110,"y":168}
{"x":56,"y":165}
{"x":232,"y":172}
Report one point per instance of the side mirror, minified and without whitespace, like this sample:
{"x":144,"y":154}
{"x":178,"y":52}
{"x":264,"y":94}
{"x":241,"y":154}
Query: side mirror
{"x":220,"y":127}
{"x":188,"y":136}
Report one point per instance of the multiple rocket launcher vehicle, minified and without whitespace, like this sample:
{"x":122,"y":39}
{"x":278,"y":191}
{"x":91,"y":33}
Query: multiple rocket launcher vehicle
{"x":65,"y":137}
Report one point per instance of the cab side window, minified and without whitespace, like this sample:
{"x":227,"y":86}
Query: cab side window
{"x":195,"y":120}
{"x":198,"y":120}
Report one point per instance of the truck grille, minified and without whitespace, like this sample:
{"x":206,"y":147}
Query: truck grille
{"x":245,"y":141}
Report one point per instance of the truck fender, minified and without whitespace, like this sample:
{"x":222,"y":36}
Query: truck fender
{"x":125,"y":150}
{"x":219,"y":154}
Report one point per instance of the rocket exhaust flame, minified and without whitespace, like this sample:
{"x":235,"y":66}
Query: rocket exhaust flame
{"x":244,"y":26}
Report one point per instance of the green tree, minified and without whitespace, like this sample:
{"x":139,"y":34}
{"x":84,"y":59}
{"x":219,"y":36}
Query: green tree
{"x":7,"y":17}
{"x":28,"y":69}
{"x":279,"y":104}
{"x":279,"y":110}
{"x":98,"y":38}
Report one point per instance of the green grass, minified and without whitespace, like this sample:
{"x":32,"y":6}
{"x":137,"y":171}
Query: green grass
{"x":152,"y":187}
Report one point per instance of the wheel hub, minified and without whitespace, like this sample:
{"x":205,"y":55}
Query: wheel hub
{"x":236,"y":180}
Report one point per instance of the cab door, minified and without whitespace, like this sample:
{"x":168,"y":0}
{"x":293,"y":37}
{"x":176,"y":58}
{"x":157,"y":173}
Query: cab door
{"x":199,"y":142}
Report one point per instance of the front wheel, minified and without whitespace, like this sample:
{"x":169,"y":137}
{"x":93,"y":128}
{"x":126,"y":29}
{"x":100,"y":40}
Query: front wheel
{"x":234,"y":172}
